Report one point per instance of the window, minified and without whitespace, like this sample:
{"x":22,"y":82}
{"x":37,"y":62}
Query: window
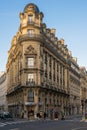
{"x":30,"y":77}
{"x":30,"y":96}
{"x":30,"y":18}
{"x":30,"y":62}
{"x":30,"y":32}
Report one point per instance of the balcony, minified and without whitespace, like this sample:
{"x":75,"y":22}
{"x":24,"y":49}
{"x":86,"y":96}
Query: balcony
{"x":30,"y":83}
{"x":26,"y":37}
{"x":33,"y":23}
{"x":30,"y":23}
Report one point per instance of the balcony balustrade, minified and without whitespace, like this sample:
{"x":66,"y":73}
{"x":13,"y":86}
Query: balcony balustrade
{"x":25,"y":37}
{"x":30,"y":83}
{"x":32,"y":23}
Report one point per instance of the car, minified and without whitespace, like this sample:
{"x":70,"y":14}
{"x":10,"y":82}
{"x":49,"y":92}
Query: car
{"x":5,"y":115}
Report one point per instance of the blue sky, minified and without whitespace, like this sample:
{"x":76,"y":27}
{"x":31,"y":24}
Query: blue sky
{"x":68,"y":17}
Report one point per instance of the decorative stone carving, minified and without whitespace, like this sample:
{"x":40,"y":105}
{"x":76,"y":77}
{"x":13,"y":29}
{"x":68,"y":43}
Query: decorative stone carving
{"x":30,"y":50}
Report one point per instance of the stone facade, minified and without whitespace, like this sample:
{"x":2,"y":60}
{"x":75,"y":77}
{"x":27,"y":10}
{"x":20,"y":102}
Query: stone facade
{"x":38,"y":70}
{"x":83,"y":89}
{"x":74,"y":85}
{"x":3,"y":92}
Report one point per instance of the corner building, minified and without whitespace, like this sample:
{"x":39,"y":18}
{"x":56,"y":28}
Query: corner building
{"x":37,"y":69}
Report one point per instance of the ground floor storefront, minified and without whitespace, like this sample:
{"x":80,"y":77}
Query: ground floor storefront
{"x":38,"y":103}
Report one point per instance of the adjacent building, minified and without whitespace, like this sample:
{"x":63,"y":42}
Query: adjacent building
{"x":74,"y":85}
{"x":3,"y":92}
{"x":83,"y":89}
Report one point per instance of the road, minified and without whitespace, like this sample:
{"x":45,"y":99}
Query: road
{"x":43,"y":125}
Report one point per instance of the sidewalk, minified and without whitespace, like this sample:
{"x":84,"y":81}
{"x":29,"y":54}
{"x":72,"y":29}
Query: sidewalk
{"x":70,"y":117}
{"x":73,"y":117}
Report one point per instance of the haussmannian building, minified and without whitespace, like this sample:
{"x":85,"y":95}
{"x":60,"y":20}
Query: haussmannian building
{"x":83,"y":89}
{"x":74,"y":86}
{"x":3,"y":92}
{"x":38,"y":70}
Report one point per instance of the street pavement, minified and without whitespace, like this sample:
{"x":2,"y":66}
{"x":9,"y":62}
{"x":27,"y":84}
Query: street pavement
{"x":71,"y":123}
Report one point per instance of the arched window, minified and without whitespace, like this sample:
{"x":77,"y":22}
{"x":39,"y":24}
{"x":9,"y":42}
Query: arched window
{"x":31,"y":96}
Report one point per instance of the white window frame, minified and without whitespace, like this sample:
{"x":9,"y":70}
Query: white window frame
{"x":30,"y":62}
{"x":31,"y":77}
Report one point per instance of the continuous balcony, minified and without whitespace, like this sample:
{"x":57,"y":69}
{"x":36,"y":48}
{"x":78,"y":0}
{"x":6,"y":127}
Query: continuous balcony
{"x":33,"y":37}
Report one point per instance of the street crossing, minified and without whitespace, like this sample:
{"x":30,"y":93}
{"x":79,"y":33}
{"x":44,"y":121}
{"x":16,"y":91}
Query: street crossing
{"x":2,"y":124}
{"x":11,"y":122}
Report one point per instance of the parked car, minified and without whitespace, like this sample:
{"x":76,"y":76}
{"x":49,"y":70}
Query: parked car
{"x":5,"y":115}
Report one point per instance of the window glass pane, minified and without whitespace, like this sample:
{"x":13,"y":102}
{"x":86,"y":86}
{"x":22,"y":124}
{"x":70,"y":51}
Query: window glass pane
{"x":30,"y":62}
{"x":30,"y":77}
{"x":31,"y":96}
{"x":30,"y":18}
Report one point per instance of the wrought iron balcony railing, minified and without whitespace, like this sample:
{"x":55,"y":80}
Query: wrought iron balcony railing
{"x":30,"y":83}
{"x":25,"y":37}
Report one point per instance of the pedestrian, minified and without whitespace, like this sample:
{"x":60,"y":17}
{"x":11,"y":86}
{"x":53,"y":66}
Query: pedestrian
{"x":28,"y":114}
{"x":45,"y":115}
{"x":22,"y":115}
